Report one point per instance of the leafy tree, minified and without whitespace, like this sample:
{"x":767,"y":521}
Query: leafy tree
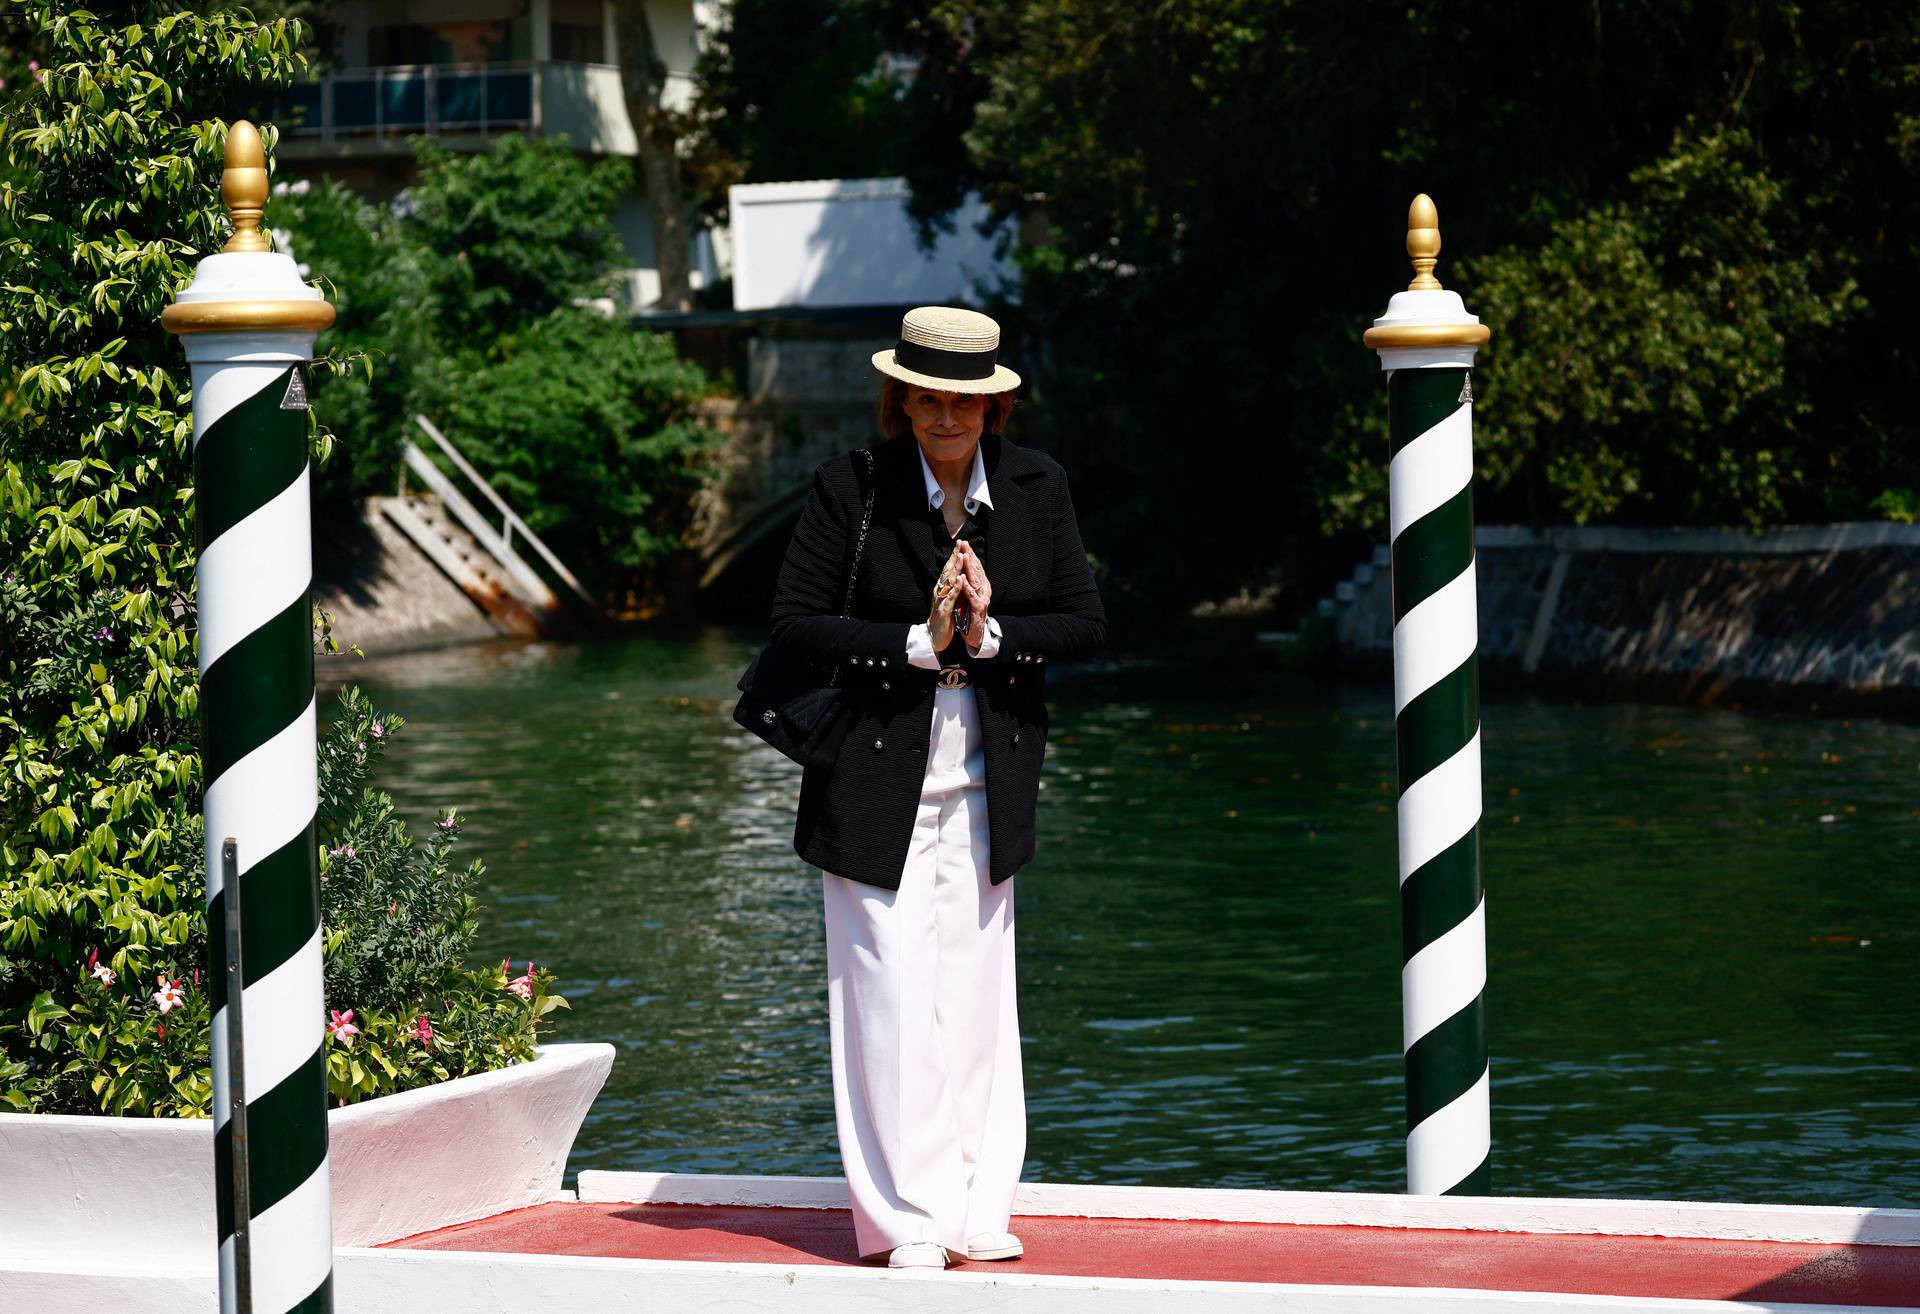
{"x":386,"y":335}
{"x":1213,"y":195}
{"x":109,"y":167}
{"x":798,"y":89}
{"x":108,"y":199}
{"x":466,"y":296}
{"x":109,"y":196}
{"x":1659,"y":354}
{"x":513,"y":232}
{"x":793,"y":89}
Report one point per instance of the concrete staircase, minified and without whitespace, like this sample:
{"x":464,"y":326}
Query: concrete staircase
{"x":1359,"y":612}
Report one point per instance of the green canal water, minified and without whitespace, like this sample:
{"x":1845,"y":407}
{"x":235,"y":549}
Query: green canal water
{"x":1702,"y":925}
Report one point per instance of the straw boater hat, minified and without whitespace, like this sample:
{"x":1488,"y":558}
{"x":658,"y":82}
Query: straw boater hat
{"x":949,"y":349}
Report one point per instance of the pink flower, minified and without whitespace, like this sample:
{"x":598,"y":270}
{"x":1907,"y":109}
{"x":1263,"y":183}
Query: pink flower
{"x":393,"y":909}
{"x":377,"y":730}
{"x":169,"y":996}
{"x":342,"y":1027}
{"x":423,"y":1030}
{"x":523,"y":985}
{"x":99,"y":971}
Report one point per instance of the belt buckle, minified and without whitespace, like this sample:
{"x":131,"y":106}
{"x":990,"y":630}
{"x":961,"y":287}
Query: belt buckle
{"x":953,"y":677}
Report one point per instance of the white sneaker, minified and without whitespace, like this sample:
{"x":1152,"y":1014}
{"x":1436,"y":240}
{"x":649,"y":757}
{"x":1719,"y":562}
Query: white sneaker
{"x":994,"y":1245}
{"x":918,"y":1254}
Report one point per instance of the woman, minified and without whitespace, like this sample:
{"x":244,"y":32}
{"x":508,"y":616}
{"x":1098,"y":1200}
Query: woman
{"x":972,"y":581}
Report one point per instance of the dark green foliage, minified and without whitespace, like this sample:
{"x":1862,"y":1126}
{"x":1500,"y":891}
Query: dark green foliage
{"x":1659,"y":354}
{"x":514,"y":232}
{"x":1691,"y":225}
{"x":1665,"y":211}
{"x":380,"y":286}
{"x":586,"y":424}
{"x":770,"y":54}
{"x":798,"y":89}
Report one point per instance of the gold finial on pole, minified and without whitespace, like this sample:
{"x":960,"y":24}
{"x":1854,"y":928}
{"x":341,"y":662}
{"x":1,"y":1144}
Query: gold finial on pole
{"x":1423,"y":243}
{"x":243,"y":186}
{"x":260,"y":294}
{"x":1426,"y":317}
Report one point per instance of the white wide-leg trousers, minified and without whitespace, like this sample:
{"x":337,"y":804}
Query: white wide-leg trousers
{"x":925,"y":1035}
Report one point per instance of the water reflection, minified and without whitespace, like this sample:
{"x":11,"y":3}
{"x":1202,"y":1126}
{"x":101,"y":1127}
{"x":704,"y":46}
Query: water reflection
{"x":1700,"y":925}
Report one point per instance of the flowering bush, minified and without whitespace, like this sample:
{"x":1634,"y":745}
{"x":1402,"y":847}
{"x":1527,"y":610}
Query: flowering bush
{"x":483,"y":1021}
{"x":397,"y":921}
{"x":131,"y":1034}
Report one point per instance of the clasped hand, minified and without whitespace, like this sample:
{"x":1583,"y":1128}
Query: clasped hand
{"x":964,"y":577}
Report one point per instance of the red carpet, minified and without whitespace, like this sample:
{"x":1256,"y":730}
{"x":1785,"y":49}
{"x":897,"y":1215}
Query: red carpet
{"x":1238,"y":1252}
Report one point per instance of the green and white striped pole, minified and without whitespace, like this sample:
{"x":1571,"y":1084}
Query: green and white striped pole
{"x":248,"y":324}
{"x":1426,"y":342}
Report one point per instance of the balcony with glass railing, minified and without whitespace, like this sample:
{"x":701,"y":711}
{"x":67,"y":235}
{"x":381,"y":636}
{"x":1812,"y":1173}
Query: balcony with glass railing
{"x":373,"y":109}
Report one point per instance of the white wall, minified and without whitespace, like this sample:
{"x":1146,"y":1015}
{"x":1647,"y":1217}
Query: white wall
{"x":850,"y":243}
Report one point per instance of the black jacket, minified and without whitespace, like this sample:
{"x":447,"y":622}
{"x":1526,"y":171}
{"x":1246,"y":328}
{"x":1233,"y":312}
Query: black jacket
{"x":856,"y":819}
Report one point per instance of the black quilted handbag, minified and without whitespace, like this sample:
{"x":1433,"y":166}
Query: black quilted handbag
{"x":787,"y":702}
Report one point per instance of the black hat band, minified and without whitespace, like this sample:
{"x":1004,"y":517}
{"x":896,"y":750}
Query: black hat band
{"x":945,"y":364}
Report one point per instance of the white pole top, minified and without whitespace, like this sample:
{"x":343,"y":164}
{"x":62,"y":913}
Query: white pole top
{"x":1426,"y":326}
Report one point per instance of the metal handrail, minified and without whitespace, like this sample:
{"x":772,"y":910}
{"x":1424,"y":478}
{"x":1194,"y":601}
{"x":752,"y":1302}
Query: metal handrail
{"x":234,"y":1062}
{"x":510,"y":519}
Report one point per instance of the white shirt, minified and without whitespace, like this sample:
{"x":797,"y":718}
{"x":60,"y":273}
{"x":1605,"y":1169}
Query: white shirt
{"x":920,"y":638}
{"x":956,"y":745}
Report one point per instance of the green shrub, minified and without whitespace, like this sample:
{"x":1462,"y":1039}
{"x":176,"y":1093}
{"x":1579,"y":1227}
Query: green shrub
{"x":397,"y":920}
{"x":1656,"y":357}
{"x":587,"y":426}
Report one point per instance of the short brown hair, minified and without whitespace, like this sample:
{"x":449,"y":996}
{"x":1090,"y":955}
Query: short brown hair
{"x":889,"y":413}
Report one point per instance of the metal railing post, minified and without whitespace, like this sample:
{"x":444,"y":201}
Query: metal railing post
{"x":240,"y":1196}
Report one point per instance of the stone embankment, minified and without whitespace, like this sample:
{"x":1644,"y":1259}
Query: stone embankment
{"x":1810,"y":615}
{"x":385,"y":594}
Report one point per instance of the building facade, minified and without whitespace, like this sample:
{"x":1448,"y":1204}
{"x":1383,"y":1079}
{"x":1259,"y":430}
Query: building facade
{"x":465,"y":72}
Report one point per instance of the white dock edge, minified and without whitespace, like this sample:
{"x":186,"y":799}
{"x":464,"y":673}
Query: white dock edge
{"x":1815,"y":1224}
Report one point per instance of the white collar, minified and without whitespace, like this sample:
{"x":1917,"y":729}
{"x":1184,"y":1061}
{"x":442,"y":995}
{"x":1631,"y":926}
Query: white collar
{"x":977,"y":494}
